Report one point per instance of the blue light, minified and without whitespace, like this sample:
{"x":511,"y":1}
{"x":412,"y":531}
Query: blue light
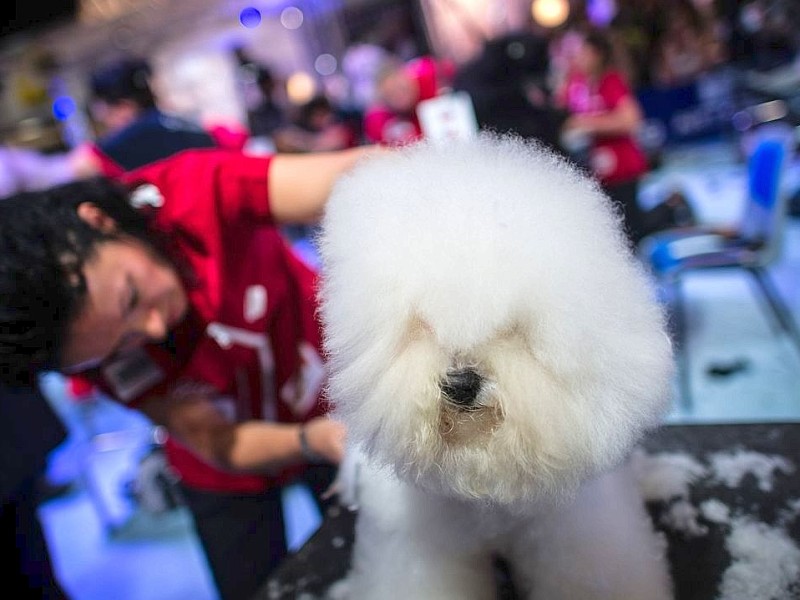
{"x":63,"y":107}
{"x":250,"y":17}
{"x":601,"y":12}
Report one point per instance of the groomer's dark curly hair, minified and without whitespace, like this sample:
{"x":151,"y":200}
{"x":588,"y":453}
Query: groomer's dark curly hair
{"x":44,"y":245}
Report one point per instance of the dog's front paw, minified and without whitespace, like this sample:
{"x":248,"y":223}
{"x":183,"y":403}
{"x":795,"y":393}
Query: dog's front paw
{"x":346,"y":484}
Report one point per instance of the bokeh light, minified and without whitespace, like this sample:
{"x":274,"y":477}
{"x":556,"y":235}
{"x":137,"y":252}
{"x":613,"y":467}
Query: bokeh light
{"x":300,"y":87}
{"x":63,"y":108}
{"x":291,"y":17}
{"x":550,"y":13}
{"x":601,"y":12}
{"x":325,"y":64}
{"x":250,"y":17}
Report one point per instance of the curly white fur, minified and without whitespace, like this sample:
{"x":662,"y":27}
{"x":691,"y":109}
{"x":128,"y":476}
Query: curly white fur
{"x":496,"y":257}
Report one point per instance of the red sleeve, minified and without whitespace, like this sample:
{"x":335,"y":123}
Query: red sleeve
{"x":428,"y":75}
{"x":206,"y":186}
{"x":227,"y":136}
{"x":613,"y":89}
{"x":375,"y":121}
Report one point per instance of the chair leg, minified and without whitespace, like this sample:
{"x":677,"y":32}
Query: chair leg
{"x":776,"y":303}
{"x":764,"y":299}
{"x":678,"y":332}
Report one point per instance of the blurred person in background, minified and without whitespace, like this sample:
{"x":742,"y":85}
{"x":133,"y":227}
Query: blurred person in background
{"x":268,"y":117}
{"x":317,"y":127}
{"x":399,"y":87}
{"x":763,"y":34}
{"x":361,"y":63}
{"x":509,"y":88}
{"x":686,"y":47}
{"x":134,"y":131}
{"x":637,"y":24}
{"x":605,"y":116}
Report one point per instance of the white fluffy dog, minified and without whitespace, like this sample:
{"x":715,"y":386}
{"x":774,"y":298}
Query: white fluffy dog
{"x":495,"y":352}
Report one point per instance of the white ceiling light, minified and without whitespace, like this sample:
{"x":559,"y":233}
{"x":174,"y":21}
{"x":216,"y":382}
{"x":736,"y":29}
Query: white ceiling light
{"x":550,"y":13}
{"x":300,"y":87}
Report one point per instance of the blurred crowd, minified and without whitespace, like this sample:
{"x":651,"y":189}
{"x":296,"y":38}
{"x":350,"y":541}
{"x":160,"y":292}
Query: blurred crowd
{"x":655,"y":44}
{"x":535,"y":83}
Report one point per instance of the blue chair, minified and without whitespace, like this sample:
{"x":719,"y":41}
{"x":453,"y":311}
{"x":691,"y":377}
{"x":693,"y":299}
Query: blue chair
{"x":752,"y":246}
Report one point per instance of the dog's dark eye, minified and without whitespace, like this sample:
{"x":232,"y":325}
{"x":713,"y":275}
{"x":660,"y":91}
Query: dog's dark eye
{"x":461,"y":386}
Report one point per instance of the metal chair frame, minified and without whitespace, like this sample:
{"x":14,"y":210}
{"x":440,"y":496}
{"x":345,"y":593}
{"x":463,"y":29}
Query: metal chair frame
{"x":753,"y":247}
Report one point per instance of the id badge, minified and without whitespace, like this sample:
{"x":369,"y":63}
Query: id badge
{"x":132,"y":374}
{"x":448,"y":117}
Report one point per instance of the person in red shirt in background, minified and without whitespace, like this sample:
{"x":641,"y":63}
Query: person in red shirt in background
{"x":318,"y":126}
{"x":606,"y":114}
{"x":400,"y":87}
{"x":605,"y":111}
{"x":173,"y":290}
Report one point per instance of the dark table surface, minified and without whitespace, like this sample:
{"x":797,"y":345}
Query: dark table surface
{"x":698,"y":560}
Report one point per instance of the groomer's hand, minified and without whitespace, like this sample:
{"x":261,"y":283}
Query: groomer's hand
{"x":325,"y":439}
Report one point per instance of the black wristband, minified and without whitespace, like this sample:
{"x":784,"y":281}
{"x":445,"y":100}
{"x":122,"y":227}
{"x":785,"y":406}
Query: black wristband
{"x":305,"y":448}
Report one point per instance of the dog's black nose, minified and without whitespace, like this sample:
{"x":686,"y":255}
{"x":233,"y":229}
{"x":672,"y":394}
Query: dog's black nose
{"x":461,"y":386}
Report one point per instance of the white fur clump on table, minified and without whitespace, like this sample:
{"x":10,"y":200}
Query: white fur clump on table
{"x":764,"y":559}
{"x":496,"y":352}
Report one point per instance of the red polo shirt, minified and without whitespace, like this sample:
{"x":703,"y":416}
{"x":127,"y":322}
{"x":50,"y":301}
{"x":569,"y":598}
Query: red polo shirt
{"x":251,"y":335}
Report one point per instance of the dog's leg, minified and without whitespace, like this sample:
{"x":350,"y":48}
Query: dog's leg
{"x":413,"y":545}
{"x":602,"y":546}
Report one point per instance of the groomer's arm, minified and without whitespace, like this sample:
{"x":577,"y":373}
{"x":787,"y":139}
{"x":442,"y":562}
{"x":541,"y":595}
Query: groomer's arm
{"x":299,"y":184}
{"x":248,"y":447}
{"x":623,"y":119}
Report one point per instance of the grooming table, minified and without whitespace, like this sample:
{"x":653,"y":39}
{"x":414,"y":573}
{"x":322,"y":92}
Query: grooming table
{"x":698,"y":550}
